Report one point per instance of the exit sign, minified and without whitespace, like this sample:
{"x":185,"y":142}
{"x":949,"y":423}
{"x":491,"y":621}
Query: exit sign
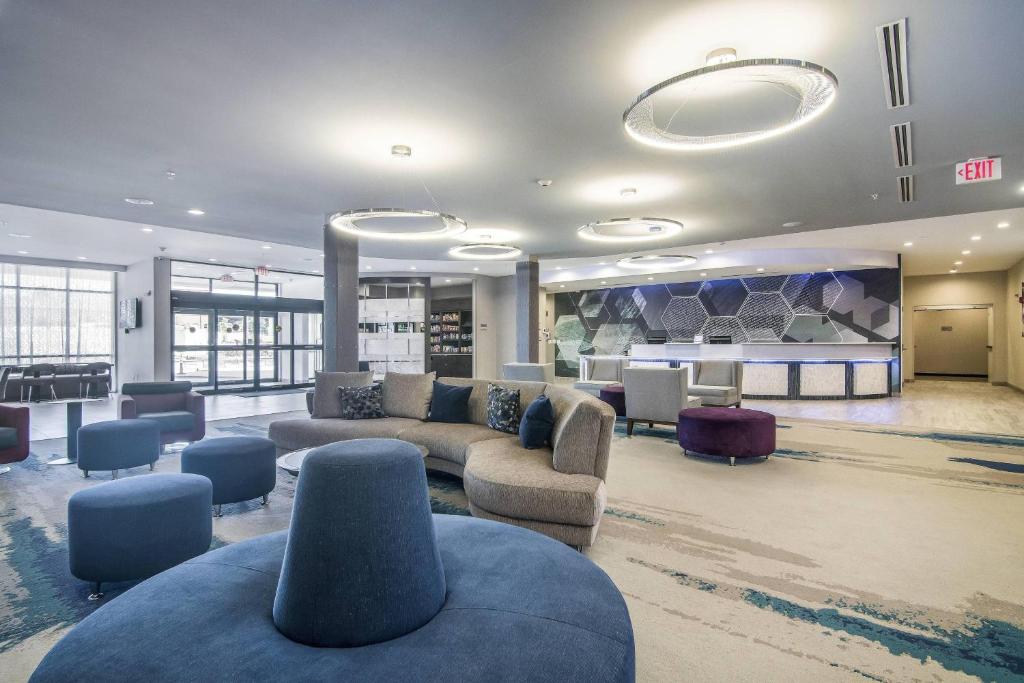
{"x":979,"y":170}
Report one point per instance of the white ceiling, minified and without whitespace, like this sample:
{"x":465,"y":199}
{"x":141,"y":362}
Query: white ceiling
{"x":272,"y":114}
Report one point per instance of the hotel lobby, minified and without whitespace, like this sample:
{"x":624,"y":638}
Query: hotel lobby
{"x":531,"y":341}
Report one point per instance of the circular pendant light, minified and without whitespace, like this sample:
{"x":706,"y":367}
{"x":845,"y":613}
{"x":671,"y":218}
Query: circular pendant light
{"x":812,"y":85}
{"x":630,"y":230}
{"x":656,"y":261}
{"x":349,"y":221}
{"x":485,"y":251}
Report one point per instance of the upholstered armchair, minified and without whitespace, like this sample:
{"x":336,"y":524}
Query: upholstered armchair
{"x":180,"y":412}
{"x":599,"y":373}
{"x":529,"y":372}
{"x":655,"y":395}
{"x":718,"y":382}
{"x":14,"y":435}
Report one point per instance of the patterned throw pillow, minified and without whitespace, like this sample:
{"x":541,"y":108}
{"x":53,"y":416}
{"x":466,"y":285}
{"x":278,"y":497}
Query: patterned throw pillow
{"x":503,"y":409}
{"x":361,"y":403}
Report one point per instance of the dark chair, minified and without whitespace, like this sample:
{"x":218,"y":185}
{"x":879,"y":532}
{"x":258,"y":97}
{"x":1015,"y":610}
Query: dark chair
{"x":180,"y":412}
{"x":94,"y":375}
{"x":14,"y":435}
{"x":40,"y":376}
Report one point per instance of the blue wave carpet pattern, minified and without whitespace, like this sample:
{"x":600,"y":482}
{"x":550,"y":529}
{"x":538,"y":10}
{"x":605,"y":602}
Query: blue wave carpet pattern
{"x":855,"y":552}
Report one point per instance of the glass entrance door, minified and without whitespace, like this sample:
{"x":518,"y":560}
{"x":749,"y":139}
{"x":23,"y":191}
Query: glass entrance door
{"x":193,"y":342}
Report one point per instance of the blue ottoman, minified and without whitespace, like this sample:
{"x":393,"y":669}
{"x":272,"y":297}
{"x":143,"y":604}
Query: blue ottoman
{"x":365,"y":585}
{"x":134,"y":528}
{"x":117,"y":445}
{"x":240,"y":467}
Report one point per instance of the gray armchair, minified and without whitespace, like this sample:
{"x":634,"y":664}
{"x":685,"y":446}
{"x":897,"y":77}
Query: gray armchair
{"x":718,"y":382}
{"x":180,"y":412}
{"x":529,"y":372}
{"x":599,"y":373}
{"x":655,"y":395}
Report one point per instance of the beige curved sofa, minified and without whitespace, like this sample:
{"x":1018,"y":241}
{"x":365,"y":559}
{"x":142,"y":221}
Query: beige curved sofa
{"x":558,"y":491}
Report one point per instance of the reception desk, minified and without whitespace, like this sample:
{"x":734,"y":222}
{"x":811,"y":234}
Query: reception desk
{"x":789,"y":371}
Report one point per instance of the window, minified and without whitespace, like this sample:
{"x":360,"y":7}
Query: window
{"x":55,"y":315}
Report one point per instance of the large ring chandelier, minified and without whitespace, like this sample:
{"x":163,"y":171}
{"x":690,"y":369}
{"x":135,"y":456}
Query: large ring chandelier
{"x":630,"y":230}
{"x":348,"y":221}
{"x":813,"y":85}
{"x":656,"y":260}
{"x":485,"y":251}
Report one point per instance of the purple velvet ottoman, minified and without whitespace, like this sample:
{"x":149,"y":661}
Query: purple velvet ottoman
{"x":727,"y":432}
{"x":615,"y":396}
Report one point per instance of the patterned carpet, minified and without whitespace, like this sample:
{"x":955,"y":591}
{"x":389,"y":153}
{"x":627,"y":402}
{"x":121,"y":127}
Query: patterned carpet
{"x":855,"y":552}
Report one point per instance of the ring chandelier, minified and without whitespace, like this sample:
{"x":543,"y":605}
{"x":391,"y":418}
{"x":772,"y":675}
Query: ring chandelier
{"x":813,"y":85}
{"x":630,"y":230}
{"x":348,"y":221}
{"x":656,"y":260}
{"x":485,"y":251}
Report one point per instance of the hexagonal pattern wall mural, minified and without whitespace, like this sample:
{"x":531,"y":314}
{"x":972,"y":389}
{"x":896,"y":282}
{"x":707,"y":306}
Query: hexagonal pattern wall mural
{"x":850,"y":306}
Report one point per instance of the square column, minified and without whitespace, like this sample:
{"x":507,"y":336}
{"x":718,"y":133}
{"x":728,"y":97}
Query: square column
{"x":341,"y":301}
{"x":527,"y":311}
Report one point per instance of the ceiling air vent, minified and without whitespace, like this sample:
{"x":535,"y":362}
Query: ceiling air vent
{"x":892,"y":50}
{"x":902,"y":145}
{"x":906,"y":188}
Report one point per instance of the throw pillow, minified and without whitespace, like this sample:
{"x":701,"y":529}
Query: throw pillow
{"x":325,"y":393}
{"x":449,"y":403}
{"x":538,"y":421}
{"x":361,"y":403}
{"x":408,"y":395}
{"x":503,"y":409}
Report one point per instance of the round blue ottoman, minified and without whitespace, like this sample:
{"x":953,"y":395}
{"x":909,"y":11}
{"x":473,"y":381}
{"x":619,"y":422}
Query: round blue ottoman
{"x":134,"y":528}
{"x":117,"y":445}
{"x":240,"y":467}
{"x":366,"y":585}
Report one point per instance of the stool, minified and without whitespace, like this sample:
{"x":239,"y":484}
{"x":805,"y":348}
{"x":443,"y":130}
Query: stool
{"x":615,"y":396}
{"x":134,"y":528}
{"x":118,"y":444}
{"x":727,"y":432}
{"x":240,"y":467}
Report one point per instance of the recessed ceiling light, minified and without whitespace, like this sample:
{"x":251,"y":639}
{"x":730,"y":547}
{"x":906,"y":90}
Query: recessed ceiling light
{"x":476,"y":267}
{"x":212,"y":260}
{"x":908,"y":244}
{"x":602,"y":263}
{"x":760,"y":270}
{"x":966,"y":252}
{"x":485,"y":251}
{"x":321,"y":255}
{"x":369,"y":267}
{"x":1003,"y":225}
{"x":703,"y":274}
{"x":412,"y":267}
{"x":792,"y":224}
{"x":958,"y":263}
{"x":22,"y":252}
{"x":139,"y":201}
{"x":171,"y":175}
{"x":604,"y":282}
{"x":19,"y":235}
{"x":627,"y":192}
{"x":82,"y":258}
{"x":830,"y":269}
{"x":655,"y":260}
{"x":447,"y":279}
{"x":266,"y":246}
{"x":1021,"y":188}
{"x":650,"y":278}
{"x":629,"y":230}
{"x":146,"y":229}
{"x":975,"y":238}
{"x":196,"y":212}
{"x":561,"y":286}
{"x":401,"y":151}
{"x":558,"y":267}
{"x":544,"y":182}
{"x":952,"y":270}
{"x":709,"y":251}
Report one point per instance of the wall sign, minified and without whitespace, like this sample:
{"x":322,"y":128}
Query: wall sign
{"x":979,"y":170}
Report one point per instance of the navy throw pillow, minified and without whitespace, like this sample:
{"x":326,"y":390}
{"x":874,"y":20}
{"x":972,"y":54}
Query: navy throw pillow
{"x":449,"y":403}
{"x":537,"y":423}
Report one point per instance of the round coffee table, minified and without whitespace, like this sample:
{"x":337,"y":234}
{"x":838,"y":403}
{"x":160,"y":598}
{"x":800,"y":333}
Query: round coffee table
{"x":292,"y":462}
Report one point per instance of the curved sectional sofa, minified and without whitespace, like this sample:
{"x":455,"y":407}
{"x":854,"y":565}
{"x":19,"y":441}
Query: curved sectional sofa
{"x":558,"y":491}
